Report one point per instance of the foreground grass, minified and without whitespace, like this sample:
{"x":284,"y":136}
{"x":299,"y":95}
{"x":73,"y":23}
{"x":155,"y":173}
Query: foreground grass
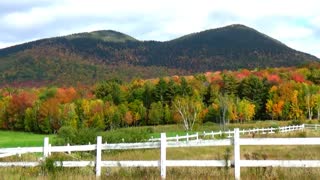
{"x":154,"y":173}
{"x":21,"y":139}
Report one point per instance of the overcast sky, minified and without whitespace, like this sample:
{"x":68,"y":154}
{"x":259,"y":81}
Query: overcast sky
{"x":294,"y":22}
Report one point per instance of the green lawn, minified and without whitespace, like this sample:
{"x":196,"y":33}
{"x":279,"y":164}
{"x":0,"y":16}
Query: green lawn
{"x":22,"y":139}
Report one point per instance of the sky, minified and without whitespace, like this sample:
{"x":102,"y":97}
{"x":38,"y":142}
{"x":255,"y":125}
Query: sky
{"x":296,"y":23}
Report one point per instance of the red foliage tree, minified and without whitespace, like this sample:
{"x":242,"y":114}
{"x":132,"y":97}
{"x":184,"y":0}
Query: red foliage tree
{"x":274,"y":78}
{"x":298,"y":77}
{"x":16,"y":109}
{"x":66,"y":95}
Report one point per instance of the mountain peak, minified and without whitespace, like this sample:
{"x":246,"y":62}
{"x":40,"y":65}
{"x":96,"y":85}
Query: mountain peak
{"x":237,"y":26}
{"x":104,"y":35}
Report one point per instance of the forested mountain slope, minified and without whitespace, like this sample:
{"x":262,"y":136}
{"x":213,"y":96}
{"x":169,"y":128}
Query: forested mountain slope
{"x":90,"y":57}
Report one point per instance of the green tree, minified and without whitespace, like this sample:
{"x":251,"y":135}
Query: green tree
{"x":185,"y":88}
{"x":212,"y":94}
{"x":156,"y":113}
{"x":30,"y":120}
{"x":256,"y":91}
{"x":68,"y":115}
{"x":230,"y":84}
{"x":160,"y":90}
{"x":168,"y":119}
{"x":246,"y":110}
{"x":139,"y":112}
{"x":172,"y":90}
{"x":110,"y":90}
{"x":148,"y":94}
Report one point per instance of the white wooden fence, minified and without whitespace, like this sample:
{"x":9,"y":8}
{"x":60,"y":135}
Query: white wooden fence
{"x":236,"y":142}
{"x":229,"y":133}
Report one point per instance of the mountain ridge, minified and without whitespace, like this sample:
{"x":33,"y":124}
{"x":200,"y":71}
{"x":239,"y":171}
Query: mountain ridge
{"x":231,"y":47}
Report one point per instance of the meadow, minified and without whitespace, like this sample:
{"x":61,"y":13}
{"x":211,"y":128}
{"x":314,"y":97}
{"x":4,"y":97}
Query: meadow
{"x":196,"y":153}
{"x":22,"y":139}
{"x":25,"y":139}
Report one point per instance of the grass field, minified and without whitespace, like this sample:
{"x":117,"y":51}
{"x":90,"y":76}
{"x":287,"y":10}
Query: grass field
{"x":21,"y":139}
{"x":195,"y":153}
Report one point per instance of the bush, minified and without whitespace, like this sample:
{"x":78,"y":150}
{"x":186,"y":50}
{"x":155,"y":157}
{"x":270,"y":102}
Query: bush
{"x":67,"y":134}
{"x":297,"y":122}
{"x":86,"y":135}
{"x":275,"y":125}
{"x":49,"y":166}
{"x":126,"y":135}
{"x":209,"y":123}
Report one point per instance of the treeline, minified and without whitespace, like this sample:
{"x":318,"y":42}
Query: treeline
{"x":219,"y":97}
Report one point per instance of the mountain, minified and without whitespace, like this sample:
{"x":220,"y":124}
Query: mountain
{"x":90,"y":57}
{"x":105,"y":35}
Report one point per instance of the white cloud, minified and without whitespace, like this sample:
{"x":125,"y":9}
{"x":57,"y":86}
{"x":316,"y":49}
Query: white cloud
{"x":28,"y":19}
{"x":286,"y":20}
{"x":288,"y":32}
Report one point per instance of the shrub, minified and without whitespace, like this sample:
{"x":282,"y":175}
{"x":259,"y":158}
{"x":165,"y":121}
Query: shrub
{"x":67,"y":134}
{"x":274,"y":125}
{"x":49,"y":166}
{"x":297,"y":122}
{"x":126,"y":135}
{"x":86,"y":135}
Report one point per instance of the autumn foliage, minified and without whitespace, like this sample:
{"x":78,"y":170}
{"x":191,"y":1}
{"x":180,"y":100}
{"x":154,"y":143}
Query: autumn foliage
{"x":219,"y":97}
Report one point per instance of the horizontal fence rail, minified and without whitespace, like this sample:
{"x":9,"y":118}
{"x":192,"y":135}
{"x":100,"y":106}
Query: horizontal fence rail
{"x":165,"y":143}
{"x":280,"y":163}
{"x":230,"y":133}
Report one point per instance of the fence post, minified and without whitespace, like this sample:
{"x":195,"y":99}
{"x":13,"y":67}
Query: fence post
{"x":163,"y":155}
{"x":187,"y":137}
{"x":45,"y":147}
{"x":197,"y":136}
{"x":68,"y":148}
{"x":98,"y":156}
{"x":19,"y":151}
{"x":236,"y":146}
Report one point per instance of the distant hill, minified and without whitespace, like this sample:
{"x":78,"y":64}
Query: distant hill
{"x":98,"y":55}
{"x":104,"y":35}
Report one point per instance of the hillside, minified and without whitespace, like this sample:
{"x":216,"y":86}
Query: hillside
{"x":104,"y":35}
{"x":90,"y":57}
